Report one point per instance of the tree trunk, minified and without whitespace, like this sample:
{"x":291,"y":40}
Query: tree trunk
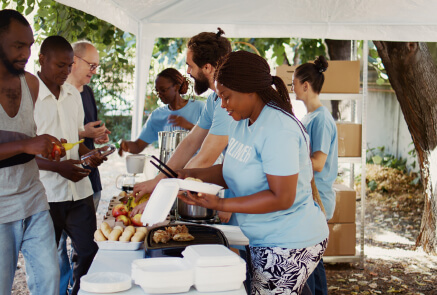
{"x":413,"y":75}
{"x":338,"y":50}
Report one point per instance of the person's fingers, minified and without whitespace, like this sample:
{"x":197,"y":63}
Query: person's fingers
{"x":95,"y":123}
{"x":76,"y":161}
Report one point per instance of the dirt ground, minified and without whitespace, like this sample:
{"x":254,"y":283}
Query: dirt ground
{"x":392,"y":221}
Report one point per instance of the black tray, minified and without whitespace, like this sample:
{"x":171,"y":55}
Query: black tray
{"x":202,"y":235}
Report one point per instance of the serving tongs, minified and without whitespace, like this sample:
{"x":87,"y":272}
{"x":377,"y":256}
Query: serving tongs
{"x":169,"y":173}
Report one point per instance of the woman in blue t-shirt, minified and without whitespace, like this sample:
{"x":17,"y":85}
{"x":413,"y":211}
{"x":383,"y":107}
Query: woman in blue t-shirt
{"x":308,"y":80}
{"x":267,"y":167}
{"x":177,"y":114}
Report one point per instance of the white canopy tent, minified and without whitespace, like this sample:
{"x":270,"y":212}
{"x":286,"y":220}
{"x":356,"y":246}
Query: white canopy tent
{"x":389,"y":20}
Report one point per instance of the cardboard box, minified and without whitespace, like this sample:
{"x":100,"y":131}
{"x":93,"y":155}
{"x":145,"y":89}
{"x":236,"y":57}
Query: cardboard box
{"x":345,"y":204}
{"x":349,"y":139}
{"x":342,"y":239}
{"x":342,"y":76}
{"x":286,"y":74}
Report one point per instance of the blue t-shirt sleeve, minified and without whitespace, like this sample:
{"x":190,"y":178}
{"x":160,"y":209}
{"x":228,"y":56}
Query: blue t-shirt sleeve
{"x":280,"y":153}
{"x":221,"y":121}
{"x":321,"y":135}
{"x":149,"y":133}
{"x":207,"y":116}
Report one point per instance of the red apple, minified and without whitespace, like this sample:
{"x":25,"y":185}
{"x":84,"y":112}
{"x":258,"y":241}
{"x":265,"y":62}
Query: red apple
{"x":123,"y":218}
{"x":119,"y":209}
{"x":136,"y":220}
{"x":56,"y":148}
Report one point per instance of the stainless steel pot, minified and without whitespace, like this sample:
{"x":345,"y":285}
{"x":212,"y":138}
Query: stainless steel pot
{"x":193,"y":212}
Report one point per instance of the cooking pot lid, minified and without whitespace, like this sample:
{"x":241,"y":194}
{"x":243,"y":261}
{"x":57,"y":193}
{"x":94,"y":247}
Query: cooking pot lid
{"x":165,"y":193}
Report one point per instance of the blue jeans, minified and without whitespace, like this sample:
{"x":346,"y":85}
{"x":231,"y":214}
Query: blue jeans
{"x":35,"y":237}
{"x":65,"y":265}
{"x":317,"y":280}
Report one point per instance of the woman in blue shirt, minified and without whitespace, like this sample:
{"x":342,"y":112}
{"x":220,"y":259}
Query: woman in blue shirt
{"x":307,"y":83}
{"x":268,"y":168}
{"x":177,"y":114}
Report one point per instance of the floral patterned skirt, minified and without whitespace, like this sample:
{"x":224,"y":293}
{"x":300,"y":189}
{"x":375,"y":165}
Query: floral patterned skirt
{"x":283,"y":271}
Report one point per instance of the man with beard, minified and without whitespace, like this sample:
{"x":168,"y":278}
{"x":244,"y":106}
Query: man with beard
{"x":210,"y":134}
{"x":25,"y":223}
{"x":59,"y":112}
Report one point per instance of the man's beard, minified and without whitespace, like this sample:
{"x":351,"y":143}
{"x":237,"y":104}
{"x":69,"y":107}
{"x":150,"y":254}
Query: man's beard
{"x":201,"y":84}
{"x":9,"y":66}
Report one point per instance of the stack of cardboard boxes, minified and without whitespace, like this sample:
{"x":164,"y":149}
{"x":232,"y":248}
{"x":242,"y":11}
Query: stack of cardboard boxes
{"x":341,"y":77}
{"x":342,"y":227}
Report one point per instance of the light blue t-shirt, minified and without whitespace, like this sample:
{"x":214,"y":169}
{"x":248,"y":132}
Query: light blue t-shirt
{"x":214,"y":117}
{"x":323,"y":137}
{"x":158,"y":120}
{"x":274,"y":144}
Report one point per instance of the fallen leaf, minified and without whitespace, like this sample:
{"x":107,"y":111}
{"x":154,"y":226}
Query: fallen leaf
{"x":373,"y":273}
{"x":363,"y":283}
{"x":373,"y":285}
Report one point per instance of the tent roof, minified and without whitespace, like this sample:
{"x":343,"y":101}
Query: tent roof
{"x":389,"y":20}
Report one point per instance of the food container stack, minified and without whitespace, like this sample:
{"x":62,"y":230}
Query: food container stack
{"x":163,"y":275}
{"x":216,"y":268}
{"x":210,"y":268}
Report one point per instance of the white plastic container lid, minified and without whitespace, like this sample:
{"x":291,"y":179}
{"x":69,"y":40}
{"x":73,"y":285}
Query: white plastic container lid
{"x":165,"y":193}
{"x":210,"y":255}
{"x":105,"y":282}
{"x":160,"y":202}
{"x":200,"y":187}
{"x":166,"y":273}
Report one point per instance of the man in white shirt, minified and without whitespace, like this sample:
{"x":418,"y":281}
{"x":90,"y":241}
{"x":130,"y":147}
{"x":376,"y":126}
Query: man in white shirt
{"x":59,"y":112}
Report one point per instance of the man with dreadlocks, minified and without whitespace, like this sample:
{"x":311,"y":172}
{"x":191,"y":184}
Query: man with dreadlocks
{"x":268,"y":168}
{"x":210,"y":134}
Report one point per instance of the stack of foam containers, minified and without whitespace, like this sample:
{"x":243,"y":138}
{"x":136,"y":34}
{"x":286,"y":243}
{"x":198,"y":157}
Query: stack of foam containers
{"x":163,"y":275}
{"x":216,"y":268}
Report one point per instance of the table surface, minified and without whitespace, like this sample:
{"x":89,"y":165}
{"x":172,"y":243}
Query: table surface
{"x":120,"y":261}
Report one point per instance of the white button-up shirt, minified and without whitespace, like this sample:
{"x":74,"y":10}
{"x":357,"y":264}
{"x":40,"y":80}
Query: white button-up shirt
{"x":62,"y":118}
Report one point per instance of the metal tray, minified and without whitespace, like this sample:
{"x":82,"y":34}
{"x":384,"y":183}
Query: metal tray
{"x":202,"y":235}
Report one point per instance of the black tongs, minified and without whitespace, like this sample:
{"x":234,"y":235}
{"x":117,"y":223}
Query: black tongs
{"x":169,"y":173}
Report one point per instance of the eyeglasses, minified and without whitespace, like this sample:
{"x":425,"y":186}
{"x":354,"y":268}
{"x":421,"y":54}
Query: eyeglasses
{"x":161,"y":91}
{"x":92,"y":66}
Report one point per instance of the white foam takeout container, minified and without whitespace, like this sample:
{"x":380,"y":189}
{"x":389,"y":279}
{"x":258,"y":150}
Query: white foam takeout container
{"x":216,"y":268}
{"x":210,"y":268}
{"x":163,"y":275}
{"x":165,"y":193}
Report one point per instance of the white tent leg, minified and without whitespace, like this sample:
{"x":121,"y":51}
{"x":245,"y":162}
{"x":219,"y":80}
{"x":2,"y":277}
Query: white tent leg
{"x":145,"y":43}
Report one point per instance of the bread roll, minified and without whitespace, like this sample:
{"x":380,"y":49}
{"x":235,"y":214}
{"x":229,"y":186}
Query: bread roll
{"x":115,"y":235}
{"x":126,"y":236}
{"x":141,"y":229}
{"x":98,"y":236}
{"x":119,"y":227}
{"x":138,"y":237}
{"x":106,"y":229}
{"x":130,"y":228}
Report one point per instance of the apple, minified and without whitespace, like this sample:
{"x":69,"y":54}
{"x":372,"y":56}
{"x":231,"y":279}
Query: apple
{"x":136,"y":220}
{"x":123,"y":218}
{"x":119,"y":209}
{"x":56,"y":148}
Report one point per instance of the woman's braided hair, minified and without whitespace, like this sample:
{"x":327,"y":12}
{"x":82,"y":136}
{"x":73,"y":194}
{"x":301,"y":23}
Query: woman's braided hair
{"x":313,"y":73}
{"x":246,"y":72}
{"x":176,"y":78}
